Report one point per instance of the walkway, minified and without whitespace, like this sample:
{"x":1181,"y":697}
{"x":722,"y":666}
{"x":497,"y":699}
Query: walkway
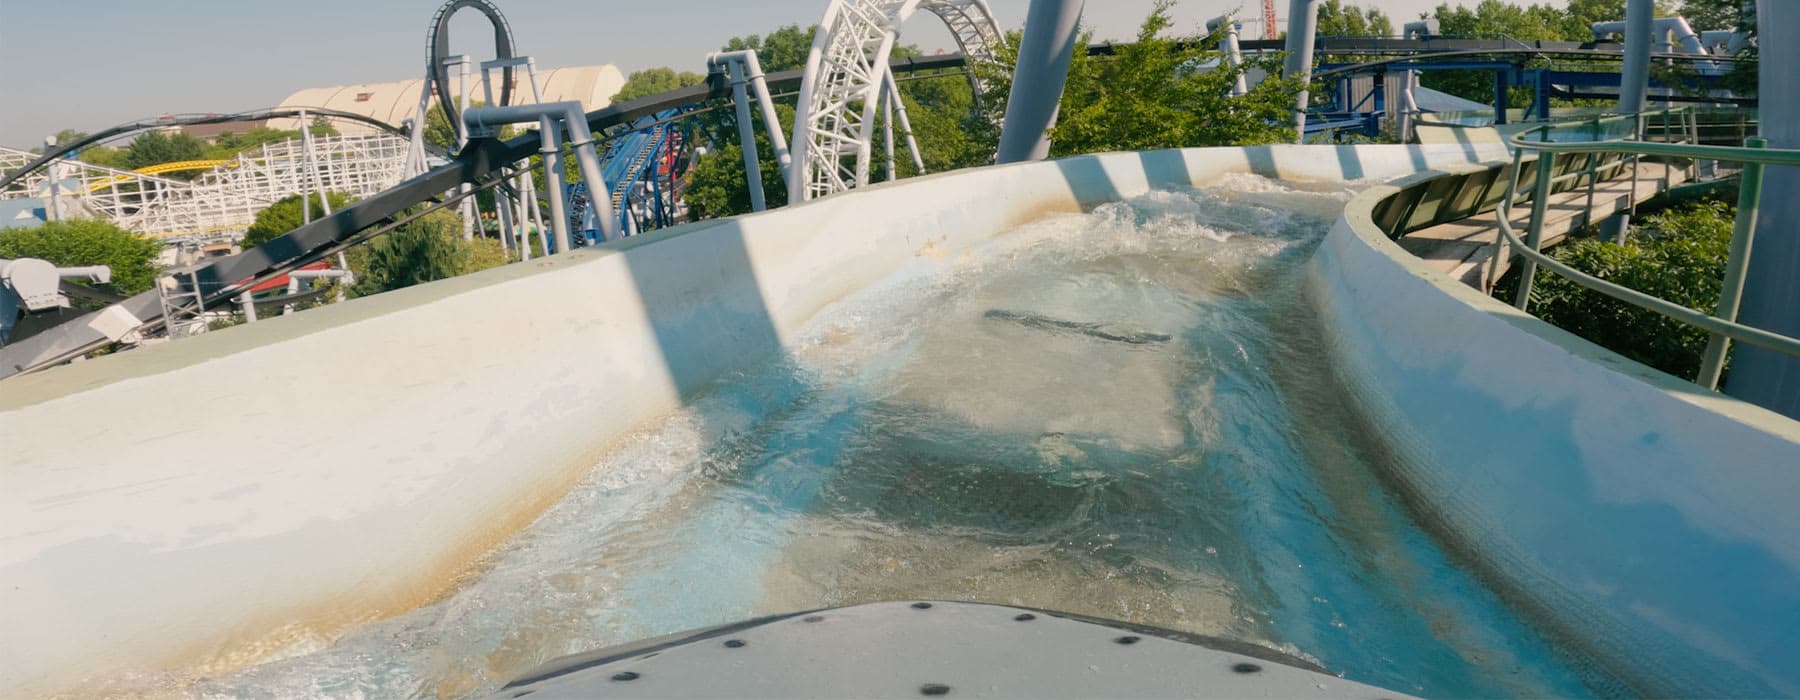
{"x":1463,"y":249}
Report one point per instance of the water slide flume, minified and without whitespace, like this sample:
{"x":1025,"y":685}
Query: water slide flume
{"x":152,"y":522}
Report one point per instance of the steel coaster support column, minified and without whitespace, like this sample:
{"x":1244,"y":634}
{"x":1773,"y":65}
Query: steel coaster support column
{"x":1635,"y":76}
{"x":1500,"y":85}
{"x":1303,"y":28}
{"x":912,"y":145}
{"x":759,"y":85}
{"x":248,"y":303}
{"x":553,"y":180}
{"x":53,"y":209}
{"x":746,"y":137}
{"x":1233,"y":53}
{"x":1038,"y":79}
{"x":1772,"y":287}
{"x":887,"y":134}
{"x":581,"y":140}
{"x":415,"y":154}
{"x":469,"y":213}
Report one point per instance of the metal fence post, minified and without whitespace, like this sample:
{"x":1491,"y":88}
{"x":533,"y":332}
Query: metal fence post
{"x":1505,"y":209}
{"x":1743,"y":235}
{"x":1540,"y":200}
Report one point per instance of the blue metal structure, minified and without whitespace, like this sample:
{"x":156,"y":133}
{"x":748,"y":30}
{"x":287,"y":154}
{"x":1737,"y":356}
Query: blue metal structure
{"x":638,"y":167}
{"x":1364,"y":115}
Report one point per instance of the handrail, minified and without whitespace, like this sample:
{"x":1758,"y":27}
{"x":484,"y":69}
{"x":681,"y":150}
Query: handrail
{"x":1723,"y":327}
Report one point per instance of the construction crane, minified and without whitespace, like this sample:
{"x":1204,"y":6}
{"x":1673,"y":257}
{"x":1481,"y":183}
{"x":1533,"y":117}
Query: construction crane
{"x":1269,"y":30}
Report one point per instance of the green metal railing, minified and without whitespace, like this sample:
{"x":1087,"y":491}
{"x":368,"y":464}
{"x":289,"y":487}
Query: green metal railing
{"x":1722,"y":324}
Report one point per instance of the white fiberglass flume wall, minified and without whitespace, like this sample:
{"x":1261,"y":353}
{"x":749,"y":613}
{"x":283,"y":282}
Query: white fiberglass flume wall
{"x":206,"y":503}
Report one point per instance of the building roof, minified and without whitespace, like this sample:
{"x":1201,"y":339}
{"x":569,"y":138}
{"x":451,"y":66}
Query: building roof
{"x":398,"y":102}
{"x":21,"y":213}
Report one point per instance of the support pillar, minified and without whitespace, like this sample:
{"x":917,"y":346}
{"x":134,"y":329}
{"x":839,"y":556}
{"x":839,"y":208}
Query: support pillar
{"x":1635,"y":77}
{"x":1772,"y":289}
{"x":1038,"y":79}
{"x":1303,"y":28}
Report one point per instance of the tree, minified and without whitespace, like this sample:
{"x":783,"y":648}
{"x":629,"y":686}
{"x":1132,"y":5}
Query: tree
{"x":105,"y":156}
{"x":1339,"y":19}
{"x":285,"y":215}
{"x":783,"y":49}
{"x":156,"y":147}
{"x":230,"y":144}
{"x":425,"y":249}
{"x":88,"y":242}
{"x":323,"y":127}
{"x":1155,"y":93}
{"x":68,"y":136}
{"x":716,"y":185}
{"x":653,"y":81}
{"x":1161,"y":93}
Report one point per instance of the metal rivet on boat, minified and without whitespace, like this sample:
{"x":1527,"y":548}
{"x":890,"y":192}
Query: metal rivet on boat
{"x":625,"y":676}
{"x":1024,"y":617}
{"x":813,"y":618}
{"x":921,"y":606}
{"x":1245,"y":668}
{"x":1128,"y":639}
{"x":734,"y":643}
{"x":934,"y":689}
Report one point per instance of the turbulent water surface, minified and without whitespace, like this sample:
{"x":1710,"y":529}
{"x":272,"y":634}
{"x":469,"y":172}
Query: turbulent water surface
{"x":1127,"y":413}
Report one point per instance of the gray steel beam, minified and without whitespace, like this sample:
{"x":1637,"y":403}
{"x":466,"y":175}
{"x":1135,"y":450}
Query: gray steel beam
{"x":1038,"y":78}
{"x":1772,"y":290}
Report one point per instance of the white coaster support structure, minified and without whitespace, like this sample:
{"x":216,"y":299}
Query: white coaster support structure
{"x":834,"y":128}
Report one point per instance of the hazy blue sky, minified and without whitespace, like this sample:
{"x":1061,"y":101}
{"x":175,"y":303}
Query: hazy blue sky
{"x":89,"y":64}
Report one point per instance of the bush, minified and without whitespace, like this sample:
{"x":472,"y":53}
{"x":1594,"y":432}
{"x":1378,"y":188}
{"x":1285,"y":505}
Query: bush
{"x":88,"y":242}
{"x":284,"y":216}
{"x":426,"y":249}
{"x":1678,"y":255}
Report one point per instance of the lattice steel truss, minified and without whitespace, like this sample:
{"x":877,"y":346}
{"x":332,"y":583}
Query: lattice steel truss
{"x":224,"y":200}
{"x":834,"y":130}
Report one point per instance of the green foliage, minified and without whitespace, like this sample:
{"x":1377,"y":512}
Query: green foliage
{"x":950,"y":133}
{"x":1153,"y":94}
{"x":88,"y":242}
{"x":441,"y":133}
{"x":105,"y":156}
{"x":423,"y":250}
{"x":1709,"y":15}
{"x":1339,"y":19}
{"x":68,"y":136}
{"x":783,"y":49}
{"x":716,"y":186}
{"x":1678,"y":255}
{"x":157,"y":147}
{"x":285,"y":215}
{"x":654,"y":81}
{"x":230,"y":144}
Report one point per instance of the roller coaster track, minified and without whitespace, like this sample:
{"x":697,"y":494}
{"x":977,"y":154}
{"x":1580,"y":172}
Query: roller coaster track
{"x":483,"y":163}
{"x":179,"y":166}
{"x":226,"y":198}
{"x":437,"y":46}
{"x":834,"y":124}
{"x":8,"y":177}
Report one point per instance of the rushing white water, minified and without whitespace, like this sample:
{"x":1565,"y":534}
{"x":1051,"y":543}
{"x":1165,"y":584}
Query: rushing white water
{"x":1127,"y":413}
